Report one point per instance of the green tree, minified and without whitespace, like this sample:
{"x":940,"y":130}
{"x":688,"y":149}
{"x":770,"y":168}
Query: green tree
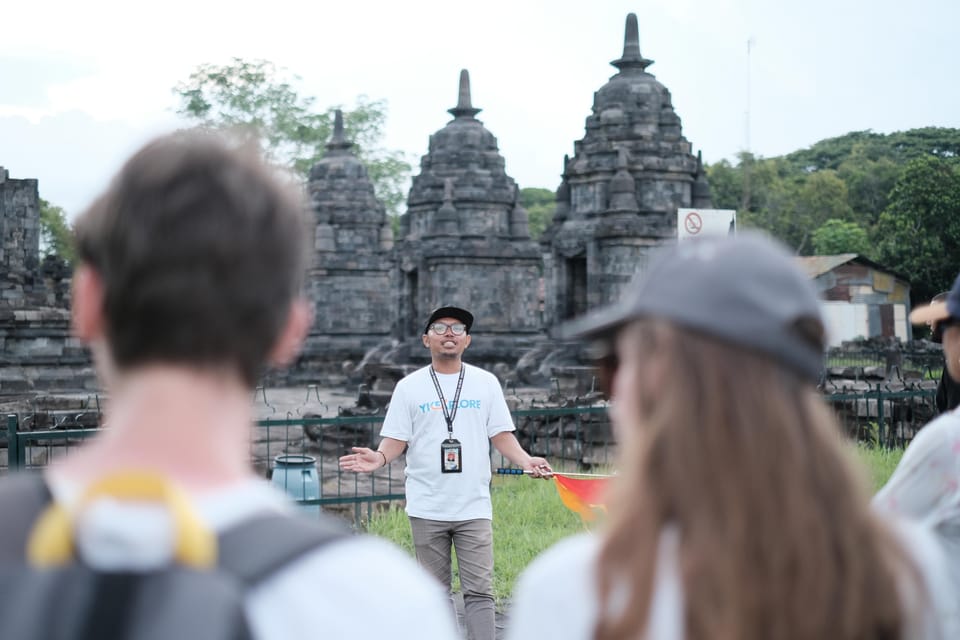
{"x":918,"y":234}
{"x":869,"y":182}
{"x":540,"y":205}
{"x":900,"y":147}
{"x":769,"y":194}
{"x":726,"y":184}
{"x":848,"y":179}
{"x":257,"y":103}
{"x":791,"y":205}
{"x":821,"y":196}
{"x":56,"y":237}
{"x":839,"y":236}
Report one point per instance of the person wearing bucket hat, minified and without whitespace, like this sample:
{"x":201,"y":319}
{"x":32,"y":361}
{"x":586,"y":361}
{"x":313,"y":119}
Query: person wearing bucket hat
{"x":938,"y":317}
{"x":444,"y":417}
{"x":925,"y":485}
{"x":735,"y":512}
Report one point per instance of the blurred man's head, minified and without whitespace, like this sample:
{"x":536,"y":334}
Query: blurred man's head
{"x":193,"y":256}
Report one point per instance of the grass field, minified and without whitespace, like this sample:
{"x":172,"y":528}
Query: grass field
{"x":879,"y":462}
{"x":529,"y":517}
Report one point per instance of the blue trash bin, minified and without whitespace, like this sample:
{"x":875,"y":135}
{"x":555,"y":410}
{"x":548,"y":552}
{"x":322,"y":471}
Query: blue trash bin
{"x":297,"y":475}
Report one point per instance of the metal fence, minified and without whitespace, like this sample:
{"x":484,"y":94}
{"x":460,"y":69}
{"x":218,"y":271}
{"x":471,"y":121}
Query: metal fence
{"x":299,"y":454}
{"x":883,"y":415}
{"x":923,"y":363}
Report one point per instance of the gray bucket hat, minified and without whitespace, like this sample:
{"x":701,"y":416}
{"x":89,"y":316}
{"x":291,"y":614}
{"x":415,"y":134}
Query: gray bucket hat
{"x":746,"y":290}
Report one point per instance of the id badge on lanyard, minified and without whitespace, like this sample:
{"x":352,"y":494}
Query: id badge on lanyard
{"x":451,"y":451}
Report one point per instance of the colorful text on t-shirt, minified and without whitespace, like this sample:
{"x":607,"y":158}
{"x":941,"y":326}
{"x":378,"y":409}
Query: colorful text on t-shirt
{"x":436,"y":406}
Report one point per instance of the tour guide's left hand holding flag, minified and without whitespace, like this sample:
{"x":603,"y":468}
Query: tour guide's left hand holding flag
{"x":584,"y":496}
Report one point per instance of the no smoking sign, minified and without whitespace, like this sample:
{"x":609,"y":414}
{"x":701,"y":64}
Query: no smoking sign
{"x":693,"y":223}
{"x":700,"y":223}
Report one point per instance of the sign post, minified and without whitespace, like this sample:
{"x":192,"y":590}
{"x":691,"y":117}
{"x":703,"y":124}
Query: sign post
{"x":698,"y":223}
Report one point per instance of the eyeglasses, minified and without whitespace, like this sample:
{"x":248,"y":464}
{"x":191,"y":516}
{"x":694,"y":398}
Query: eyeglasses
{"x":440,"y":328}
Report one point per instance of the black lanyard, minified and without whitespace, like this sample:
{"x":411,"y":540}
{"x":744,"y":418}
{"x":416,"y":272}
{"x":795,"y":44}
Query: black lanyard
{"x":450,"y":414}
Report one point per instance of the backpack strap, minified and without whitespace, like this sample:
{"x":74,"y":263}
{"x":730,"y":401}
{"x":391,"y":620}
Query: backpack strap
{"x":23,"y":496}
{"x":257,"y":548}
{"x":277,"y":538}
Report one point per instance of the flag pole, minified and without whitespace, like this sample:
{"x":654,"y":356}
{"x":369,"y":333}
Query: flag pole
{"x":516,"y":472}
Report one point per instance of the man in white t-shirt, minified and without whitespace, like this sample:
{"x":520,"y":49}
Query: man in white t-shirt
{"x":445,"y":416}
{"x":188,"y":283}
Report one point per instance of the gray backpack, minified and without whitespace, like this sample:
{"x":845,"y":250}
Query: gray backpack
{"x":174,"y":602}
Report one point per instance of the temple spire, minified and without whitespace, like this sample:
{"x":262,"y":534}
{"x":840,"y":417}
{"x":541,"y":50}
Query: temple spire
{"x":339,"y":140}
{"x":464,"y":106}
{"x":631,"y":58}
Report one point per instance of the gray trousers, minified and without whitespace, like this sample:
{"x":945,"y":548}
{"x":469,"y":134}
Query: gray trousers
{"x":473,"y":542}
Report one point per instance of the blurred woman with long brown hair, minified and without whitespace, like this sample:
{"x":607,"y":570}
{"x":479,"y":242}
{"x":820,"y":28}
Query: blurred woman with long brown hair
{"x":736,"y":513}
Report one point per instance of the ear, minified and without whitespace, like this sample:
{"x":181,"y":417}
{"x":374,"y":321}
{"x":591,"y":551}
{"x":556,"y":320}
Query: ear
{"x":87,"y":304}
{"x":294,"y":332}
{"x":426,"y":340}
{"x":466,"y":343}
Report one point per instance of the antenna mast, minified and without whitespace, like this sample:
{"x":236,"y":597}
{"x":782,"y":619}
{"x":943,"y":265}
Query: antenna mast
{"x":747,"y":160}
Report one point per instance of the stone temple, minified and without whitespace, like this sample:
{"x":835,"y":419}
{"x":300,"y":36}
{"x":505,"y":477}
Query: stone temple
{"x":620,"y":191}
{"x":464,"y":239}
{"x":350,"y":276}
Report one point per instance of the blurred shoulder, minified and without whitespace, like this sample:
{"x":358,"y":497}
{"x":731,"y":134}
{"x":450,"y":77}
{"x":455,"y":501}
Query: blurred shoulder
{"x":575,"y":555}
{"x":555,"y":596}
{"x":342,"y":582}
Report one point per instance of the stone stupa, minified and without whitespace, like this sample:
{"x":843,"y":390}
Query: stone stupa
{"x":350,"y":276}
{"x":465,"y":240}
{"x":620,"y":191}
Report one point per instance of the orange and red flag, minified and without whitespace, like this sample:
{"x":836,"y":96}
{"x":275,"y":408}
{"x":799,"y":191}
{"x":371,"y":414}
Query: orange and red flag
{"x":583,"y":496}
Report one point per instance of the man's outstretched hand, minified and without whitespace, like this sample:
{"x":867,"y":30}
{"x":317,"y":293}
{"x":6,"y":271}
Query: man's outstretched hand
{"x":362,"y":460}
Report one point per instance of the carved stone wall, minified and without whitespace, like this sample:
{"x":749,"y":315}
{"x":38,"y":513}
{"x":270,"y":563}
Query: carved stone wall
{"x":37,"y":351}
{"x":19,"y":238}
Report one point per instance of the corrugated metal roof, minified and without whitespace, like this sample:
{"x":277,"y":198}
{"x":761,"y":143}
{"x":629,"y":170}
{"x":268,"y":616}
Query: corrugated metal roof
{"x":818,"y":265}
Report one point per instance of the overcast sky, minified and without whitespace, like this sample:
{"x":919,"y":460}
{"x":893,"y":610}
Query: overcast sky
{"x":83,"y":84}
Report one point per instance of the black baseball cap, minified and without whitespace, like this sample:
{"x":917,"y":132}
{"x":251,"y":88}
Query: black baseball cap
{"x":746,"y":290}
{"x":462,"y":315}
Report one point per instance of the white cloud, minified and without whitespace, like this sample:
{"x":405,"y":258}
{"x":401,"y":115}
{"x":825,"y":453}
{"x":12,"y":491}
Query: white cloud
{"x":98,"y":82}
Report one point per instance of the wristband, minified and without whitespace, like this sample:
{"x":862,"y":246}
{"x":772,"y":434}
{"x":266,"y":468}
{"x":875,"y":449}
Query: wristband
{"x":384,"y":458}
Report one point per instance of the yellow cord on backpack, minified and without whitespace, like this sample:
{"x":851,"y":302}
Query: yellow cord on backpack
{"x":51,"y":541}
